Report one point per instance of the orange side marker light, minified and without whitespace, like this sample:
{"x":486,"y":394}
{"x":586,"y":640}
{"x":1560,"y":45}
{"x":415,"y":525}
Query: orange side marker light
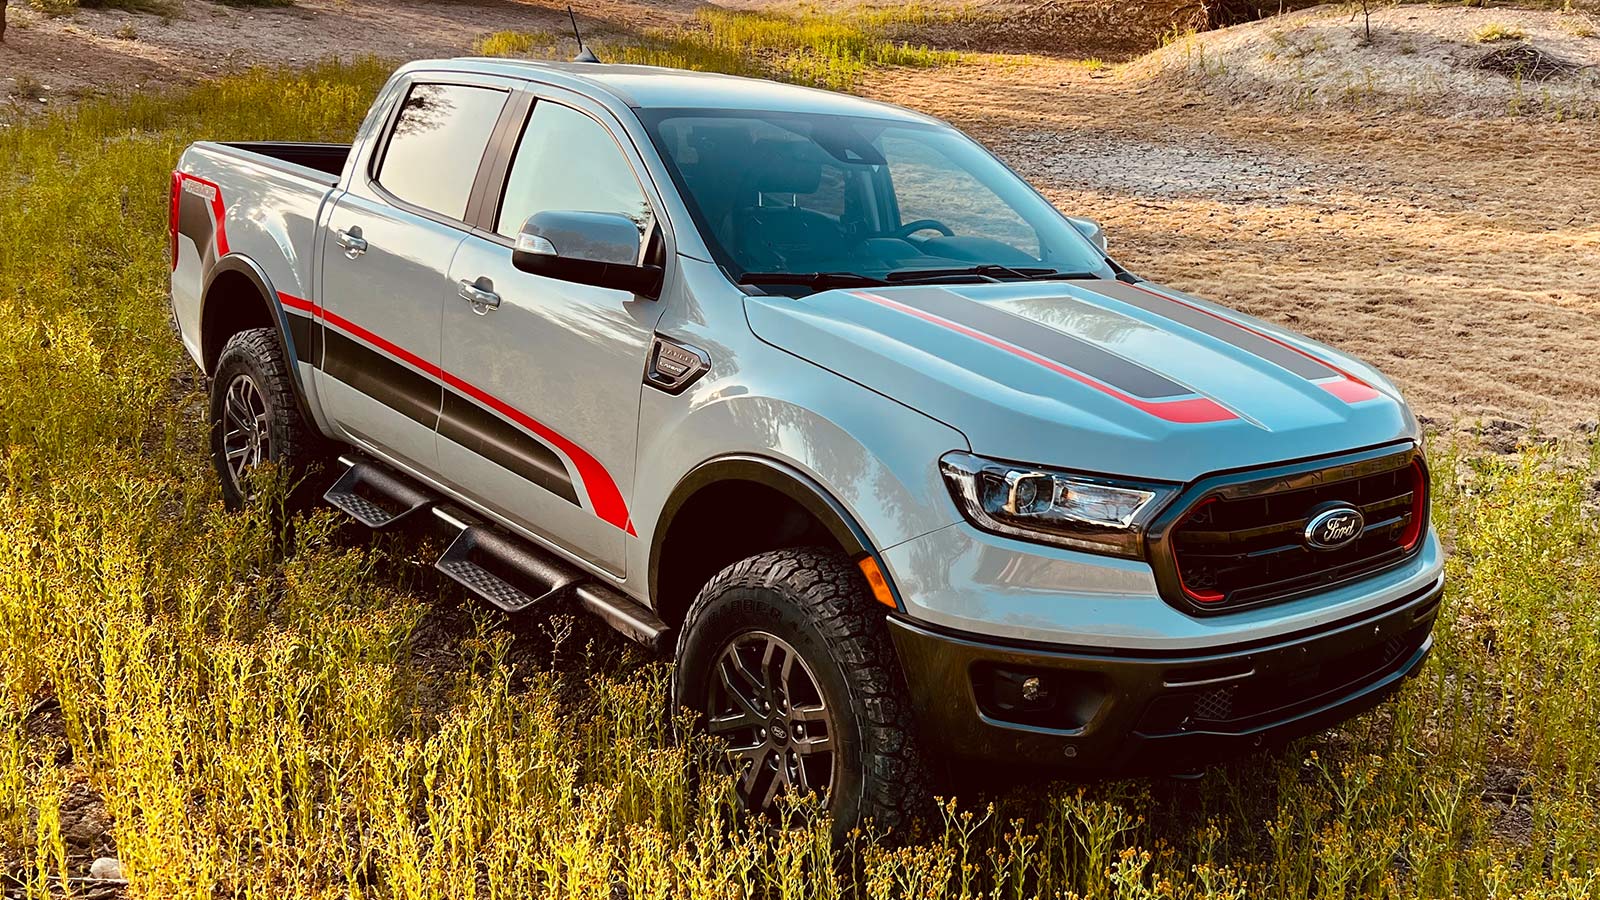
{"x":878,"y":583}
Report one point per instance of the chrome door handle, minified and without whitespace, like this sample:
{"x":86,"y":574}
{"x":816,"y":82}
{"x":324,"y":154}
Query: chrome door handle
{"x":482,"y":300}
{"x":353,"y":243}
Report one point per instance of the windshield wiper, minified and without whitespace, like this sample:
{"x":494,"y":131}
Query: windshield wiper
{"x":988,"y":270}
{"x":819,"y":280}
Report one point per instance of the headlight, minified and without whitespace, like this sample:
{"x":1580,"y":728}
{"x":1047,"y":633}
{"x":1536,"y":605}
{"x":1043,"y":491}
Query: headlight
{"x":1084,"y":512}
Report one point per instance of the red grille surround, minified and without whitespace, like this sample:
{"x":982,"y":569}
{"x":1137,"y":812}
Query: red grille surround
{"x":1237,"y":541}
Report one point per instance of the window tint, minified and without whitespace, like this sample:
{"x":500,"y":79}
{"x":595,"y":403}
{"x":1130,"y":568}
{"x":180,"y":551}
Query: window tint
{"x":438,"y":142}
{"x":567,"y":160}
{"x":738,"y":167}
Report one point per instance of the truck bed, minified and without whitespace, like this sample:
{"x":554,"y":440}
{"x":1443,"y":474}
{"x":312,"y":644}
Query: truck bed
{"x":327,"y":159}
{"x":260,"y":201}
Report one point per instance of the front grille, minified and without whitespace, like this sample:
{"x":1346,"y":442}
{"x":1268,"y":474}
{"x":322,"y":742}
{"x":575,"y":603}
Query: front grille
{"x":1246,"y":544}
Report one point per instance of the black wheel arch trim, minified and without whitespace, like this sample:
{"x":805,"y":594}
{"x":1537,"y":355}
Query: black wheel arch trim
{"x":786,"y":480}
{"x":236,"y":263}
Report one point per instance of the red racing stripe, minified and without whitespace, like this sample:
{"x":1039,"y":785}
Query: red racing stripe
{"x":1194,"y":410}
{"x":1349,"y":388}
{"x":597,"y":482}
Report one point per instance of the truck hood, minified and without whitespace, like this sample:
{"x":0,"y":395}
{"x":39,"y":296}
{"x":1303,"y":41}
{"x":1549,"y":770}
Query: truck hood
{"x":1103,"y":376}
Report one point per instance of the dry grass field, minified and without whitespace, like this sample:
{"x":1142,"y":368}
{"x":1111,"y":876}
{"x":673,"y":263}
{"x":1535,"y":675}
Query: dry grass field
{"x":243,"y":706}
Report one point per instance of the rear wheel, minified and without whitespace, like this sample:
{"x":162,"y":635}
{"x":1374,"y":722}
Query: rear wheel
{"x":255,"y":418}
{"x":788,"y":662}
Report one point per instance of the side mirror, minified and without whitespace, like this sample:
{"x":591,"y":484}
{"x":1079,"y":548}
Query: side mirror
{"x":1090,"y":229}
{"x":600,"y":249}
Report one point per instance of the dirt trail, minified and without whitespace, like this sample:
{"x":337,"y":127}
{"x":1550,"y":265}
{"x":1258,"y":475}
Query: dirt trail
{"x":1460,"y":256}
{"x":106,"y":50}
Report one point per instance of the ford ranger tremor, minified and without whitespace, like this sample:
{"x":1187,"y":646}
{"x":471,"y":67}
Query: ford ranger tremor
{"x":818,"y":398}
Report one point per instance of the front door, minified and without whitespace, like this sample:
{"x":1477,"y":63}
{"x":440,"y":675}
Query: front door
{"x":386,"y":255}
{"x":540,"y":414}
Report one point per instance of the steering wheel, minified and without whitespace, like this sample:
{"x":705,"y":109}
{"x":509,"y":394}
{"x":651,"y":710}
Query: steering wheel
{"x":910,"y":228}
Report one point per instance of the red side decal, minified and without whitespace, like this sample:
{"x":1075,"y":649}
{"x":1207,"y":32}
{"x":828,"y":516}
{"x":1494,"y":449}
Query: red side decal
{"x":1350,"y":389}
{"x":1188,"y":411}
{"x":219,"y":210}
{"x":597,"y":482}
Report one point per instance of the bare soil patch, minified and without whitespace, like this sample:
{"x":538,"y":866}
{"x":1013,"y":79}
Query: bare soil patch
{"x":1447,"y":61}
{"x":97,"y":51}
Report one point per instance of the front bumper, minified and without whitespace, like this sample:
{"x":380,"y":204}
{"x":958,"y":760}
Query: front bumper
{"x":1143,"y":712}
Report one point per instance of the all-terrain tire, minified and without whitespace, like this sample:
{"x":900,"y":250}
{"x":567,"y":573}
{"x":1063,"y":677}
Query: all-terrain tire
{"x":820,"y":605}
{"x":290,"y":442}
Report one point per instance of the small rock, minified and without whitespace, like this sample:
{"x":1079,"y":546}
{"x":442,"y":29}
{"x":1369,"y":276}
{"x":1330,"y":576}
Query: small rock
{"x":1503,"y":426}
{"x":106,"y":868}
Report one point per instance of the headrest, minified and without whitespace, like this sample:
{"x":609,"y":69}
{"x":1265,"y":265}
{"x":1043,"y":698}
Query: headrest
{"x":785,"y":167}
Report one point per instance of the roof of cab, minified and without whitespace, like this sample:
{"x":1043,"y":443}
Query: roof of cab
{"x":650,"y":87}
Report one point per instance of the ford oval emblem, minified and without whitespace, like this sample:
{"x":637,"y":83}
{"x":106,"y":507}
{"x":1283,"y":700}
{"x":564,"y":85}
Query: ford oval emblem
{"x":1334,"y":528}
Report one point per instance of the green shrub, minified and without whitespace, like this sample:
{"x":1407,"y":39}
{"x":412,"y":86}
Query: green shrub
{"x":1491,"y":32}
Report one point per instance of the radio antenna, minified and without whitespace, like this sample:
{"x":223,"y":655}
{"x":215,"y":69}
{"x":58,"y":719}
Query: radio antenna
{"x":585,"y":55}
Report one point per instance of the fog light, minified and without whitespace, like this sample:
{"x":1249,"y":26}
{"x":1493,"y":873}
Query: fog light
{"x":1021,"y":692}
{"x":1032,"y":688}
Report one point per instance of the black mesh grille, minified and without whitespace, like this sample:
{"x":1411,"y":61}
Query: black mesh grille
{"x":1244,"y":550}
{"x":1252,"y":702}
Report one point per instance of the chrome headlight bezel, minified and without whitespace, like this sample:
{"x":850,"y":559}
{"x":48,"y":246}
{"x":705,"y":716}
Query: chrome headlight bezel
{"x":1076,"y":510}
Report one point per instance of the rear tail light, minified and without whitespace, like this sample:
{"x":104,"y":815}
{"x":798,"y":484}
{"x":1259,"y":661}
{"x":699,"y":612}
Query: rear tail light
{"x":172,"y":219}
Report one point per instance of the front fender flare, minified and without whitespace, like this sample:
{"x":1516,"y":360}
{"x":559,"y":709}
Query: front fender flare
{"x":779,"y":476}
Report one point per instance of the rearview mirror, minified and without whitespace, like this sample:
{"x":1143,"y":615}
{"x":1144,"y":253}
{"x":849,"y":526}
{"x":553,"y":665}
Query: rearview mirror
{"x":1090,"y":229}
{"x":600,"y":249}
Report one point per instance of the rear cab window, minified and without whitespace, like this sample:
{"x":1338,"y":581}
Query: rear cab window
{"x":437,"y":143}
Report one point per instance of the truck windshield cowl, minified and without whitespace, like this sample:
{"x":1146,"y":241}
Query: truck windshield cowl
{"x":810,"y":201}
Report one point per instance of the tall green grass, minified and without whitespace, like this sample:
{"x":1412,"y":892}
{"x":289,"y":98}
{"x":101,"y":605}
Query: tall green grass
{"x":804,"y":48}
{"x":289,"y":712}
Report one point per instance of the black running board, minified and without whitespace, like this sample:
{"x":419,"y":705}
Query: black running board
{"x":515,"y":576}
{"x":503,"y":574}
{"x":374,"y":496}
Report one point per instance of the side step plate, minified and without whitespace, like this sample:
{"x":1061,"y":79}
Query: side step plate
{"x":373,"y":496}
{"x":493,"y":568}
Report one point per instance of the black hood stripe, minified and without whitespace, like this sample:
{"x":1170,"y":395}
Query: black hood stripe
{"x":1041,"y":339}
{"x":1216,"y":326}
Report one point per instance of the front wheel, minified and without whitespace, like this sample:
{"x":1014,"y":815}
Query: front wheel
{"x":788,"y":662}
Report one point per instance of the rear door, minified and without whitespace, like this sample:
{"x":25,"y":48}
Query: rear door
{"x":386,"y":256}
{"x":540,"y":414}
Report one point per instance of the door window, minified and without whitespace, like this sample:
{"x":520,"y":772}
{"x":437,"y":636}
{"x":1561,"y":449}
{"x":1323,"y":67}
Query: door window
{"x":438,"y":143}
{"x":568,"y":161}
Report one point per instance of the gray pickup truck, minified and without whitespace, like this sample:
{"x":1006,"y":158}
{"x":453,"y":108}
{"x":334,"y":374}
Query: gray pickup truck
{"x":817,"y":397}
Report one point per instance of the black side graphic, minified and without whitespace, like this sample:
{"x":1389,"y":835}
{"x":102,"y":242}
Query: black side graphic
{"x":409,"y":393}
{"x":195,"y":223}
{"x":502,"y":443}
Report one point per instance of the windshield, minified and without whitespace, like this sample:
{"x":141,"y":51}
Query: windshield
{"x":804,"y":194}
